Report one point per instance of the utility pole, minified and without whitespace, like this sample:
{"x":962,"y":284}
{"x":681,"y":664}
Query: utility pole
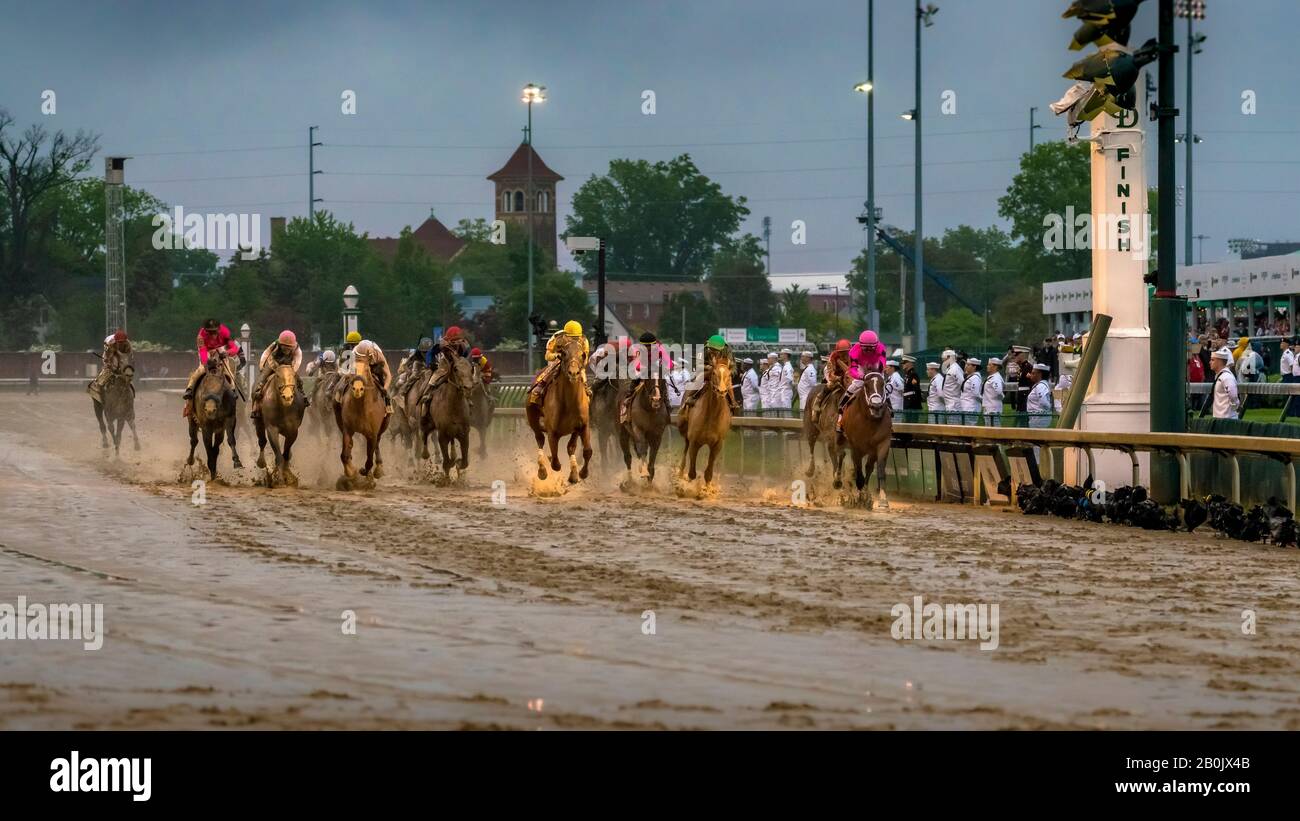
{"x":1200,"y":247}
{"x":312,"y":145}
{"x":767,"y":239}
{"x":1193,"y":10}
{"x":1168,"y":370}
{"x":533,"y":93}
{"x":918,"y":294}
{"x":872,"y":318}
{"x":1032,"y":127}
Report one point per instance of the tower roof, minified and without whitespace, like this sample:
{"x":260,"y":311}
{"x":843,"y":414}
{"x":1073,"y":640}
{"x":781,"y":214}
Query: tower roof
{"x":516,"y":168}
{"x":432,"y":236}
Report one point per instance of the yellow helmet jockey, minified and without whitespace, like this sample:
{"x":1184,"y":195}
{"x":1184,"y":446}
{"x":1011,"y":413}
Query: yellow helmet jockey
{"x":573,"y":328}
{"x":353,"y":338}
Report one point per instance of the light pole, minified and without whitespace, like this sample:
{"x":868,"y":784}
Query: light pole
{"x":1193,"y":10}
{"x":531,"y":94}
{"x":1032,"y":127}
{"x":246,"y":334}
{"x":826,"y":287}
{"x":312,"y":145}
{"x":923,"y":16}
{"x":866,"y":88}
{"x":351,"y":298}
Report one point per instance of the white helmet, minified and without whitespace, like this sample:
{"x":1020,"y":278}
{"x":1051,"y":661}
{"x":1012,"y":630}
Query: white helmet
{"x":328,"y":356}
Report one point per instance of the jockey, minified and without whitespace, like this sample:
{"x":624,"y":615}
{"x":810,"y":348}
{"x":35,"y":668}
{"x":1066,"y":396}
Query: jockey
{"x":571,"y":330}
{"x":484,"y":365}
{"x":658,"y":365}
{"x":116,"y":355}
{"x":368,"y":352}
{"x":325,"y":362}
{"x":837,"y":368}
{"x":415,"y":359}
{"x":451,"y":342}
{"x":283,"y":351}
{"x":213,"y":336}
{"x":716,"y":350}
{"x":866,"y":356}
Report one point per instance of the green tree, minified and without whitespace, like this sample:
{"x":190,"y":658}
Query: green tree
{"x":1054,"y":177}
{"x":701,"y":320}
{"x":958,"y":328}
{"x":741,"y":292}
{"x":555,"y":296}
{"x":659,"y":220}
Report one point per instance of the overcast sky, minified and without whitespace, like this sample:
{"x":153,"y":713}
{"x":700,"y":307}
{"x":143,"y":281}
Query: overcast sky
{"x":758,"y":92}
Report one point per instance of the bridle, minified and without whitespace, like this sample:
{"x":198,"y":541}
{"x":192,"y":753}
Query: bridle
{"x":873,"y":392}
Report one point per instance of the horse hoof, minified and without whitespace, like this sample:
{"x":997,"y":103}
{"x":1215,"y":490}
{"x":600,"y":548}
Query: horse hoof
{"x":261,"y":462}
{"x":343,"y":484}
{"x":541,"y":472}
{"x":238,"y":465}
{"x":837,"y":484}
{"x":378,"y":472}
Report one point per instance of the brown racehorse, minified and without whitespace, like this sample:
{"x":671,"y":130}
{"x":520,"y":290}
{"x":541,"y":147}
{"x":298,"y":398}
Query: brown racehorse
{"x":822,"y":428}
{"x":406,"y":410}
{"x":283,"y":406}
{"x":481,"y":409}
{"x":606,"y":393}
{"x":321,"y":410}
{"x":868,"y":429}
{"x":708,"y":421}
{"x":117,"y":408}
{"x":213,"y":412}
{"x":647,"y":418}
{"x":449,"y":414}
{"x":361,"y":410}
{"x":563,"y":412}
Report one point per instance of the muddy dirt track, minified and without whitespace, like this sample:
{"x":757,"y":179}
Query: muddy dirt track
{"x":530,"y":614}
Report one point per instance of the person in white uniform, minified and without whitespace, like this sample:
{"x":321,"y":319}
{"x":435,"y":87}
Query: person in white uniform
{"x":952,"y":379}
{"x":972,"y":386}
{"x":807,"y":378}
{"x":1225,"y":385}
{"x":991,"y":397}
{"x":934,"y":399}
{"x":770,"y":383}
{"x":894,"y":387}
{"x":785,"y":384}
{"x":1039,"y":405}
{"x":678,"y":379}
{"x":750,"y":388}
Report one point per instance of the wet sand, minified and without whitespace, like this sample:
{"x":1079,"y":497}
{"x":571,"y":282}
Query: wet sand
{"x":529,"y":614}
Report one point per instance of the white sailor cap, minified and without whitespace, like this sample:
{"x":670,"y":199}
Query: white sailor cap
{"x":772,"y":355}
{"x":948,"y":352}
{"x":893,"y":363}
{"x":995,"y":360}
{"x":1078,"y":336}
{"x":973,"y":361}
{"x":934,"y":365}
{"x":1222,"y":353}
{"x":787,"y":351}
{"x":747,"y":361}
{"x":907,"y":357}
{"x":805,"y":353}
{"x":1019,"y":349}
{"x":1042,"y":366}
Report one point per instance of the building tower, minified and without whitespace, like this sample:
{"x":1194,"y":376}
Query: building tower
{"x":512,"y":207}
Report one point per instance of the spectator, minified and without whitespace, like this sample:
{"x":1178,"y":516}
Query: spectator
{"x":1225,"y":385}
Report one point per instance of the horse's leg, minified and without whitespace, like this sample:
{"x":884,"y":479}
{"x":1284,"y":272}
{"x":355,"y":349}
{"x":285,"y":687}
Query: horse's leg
{"x":572,"y":448}
{"x":463,"y":439}
{"x":882,"y":459}
{"x":134,"y":436}
{"x":715,"y":450}
{"x":586,"y":452}
{"x":230,"y":431}
{"x":260,"y":427}
{"x":836,"y":454}
{"x":370,"y":453}
{"x":274,"y":439}
{"x":653,"y":443}
{"x":378,"y":471}
{"x":287,"y":471}
{"x":194,"y":440}
{"x":624,"y":442}
{"x":444,"y":440}
{"x":118,"y":424}
{"x":695,"y":449}
{"x":346,"y":455}
{"x":555,"y":450}
{"x":103,"y":429}
{"x":212,"y":444}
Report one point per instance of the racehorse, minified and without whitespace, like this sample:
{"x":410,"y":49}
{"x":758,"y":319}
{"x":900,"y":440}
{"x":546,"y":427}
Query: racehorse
{"x":321,"y":410}
{"x":707,"y":422}
{"x":868,"y":429}
{"x":647,"y":418}
{"x":283,"y":406}
{"x":117,"y":406}
{"x":360,"y":410}
{"x":822,"y":428}
{"x":449,"y":413}
{"x":606,"y":395}
{"x":481,"y":409}
{"x":563,"y":412}
{"x":406,"y":409}
{"x":213,"y":413}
